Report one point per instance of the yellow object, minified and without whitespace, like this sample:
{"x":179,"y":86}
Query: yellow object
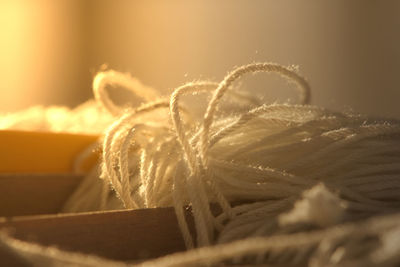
{"x":43,"y":152}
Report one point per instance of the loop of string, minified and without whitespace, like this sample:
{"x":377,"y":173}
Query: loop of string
{"x":236,"y":74}
{"x":110,"y":77}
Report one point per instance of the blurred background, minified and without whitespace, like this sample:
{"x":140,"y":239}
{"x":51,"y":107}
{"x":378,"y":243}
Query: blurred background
{"x":348,"y":50}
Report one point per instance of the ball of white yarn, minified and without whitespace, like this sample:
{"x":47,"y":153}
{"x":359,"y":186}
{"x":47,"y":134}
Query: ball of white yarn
{"x":271,"y":153}
{"x":254,"y":164}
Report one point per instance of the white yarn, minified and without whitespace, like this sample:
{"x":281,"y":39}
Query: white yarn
{"x":191,"y":161}
{"x":292,"y":182}
{"x":112,"y":77}
{"x":263,"y":159}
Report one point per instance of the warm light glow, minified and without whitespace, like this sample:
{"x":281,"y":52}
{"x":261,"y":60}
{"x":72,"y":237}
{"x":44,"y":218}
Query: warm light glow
{"x":14,"y":52}
{"x":37,"y":48}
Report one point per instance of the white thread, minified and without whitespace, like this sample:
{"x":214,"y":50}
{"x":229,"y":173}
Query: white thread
{"x":270,"y":152}
{"x":255,"y":164}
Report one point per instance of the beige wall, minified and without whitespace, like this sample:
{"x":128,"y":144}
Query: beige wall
{"x":349,"y":50}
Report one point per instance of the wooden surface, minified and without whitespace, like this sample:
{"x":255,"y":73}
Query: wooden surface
{"x":43,"y":152}
{"x":35,"y":194}
{"x":120,"y":235}
{"x":32,"y":190}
